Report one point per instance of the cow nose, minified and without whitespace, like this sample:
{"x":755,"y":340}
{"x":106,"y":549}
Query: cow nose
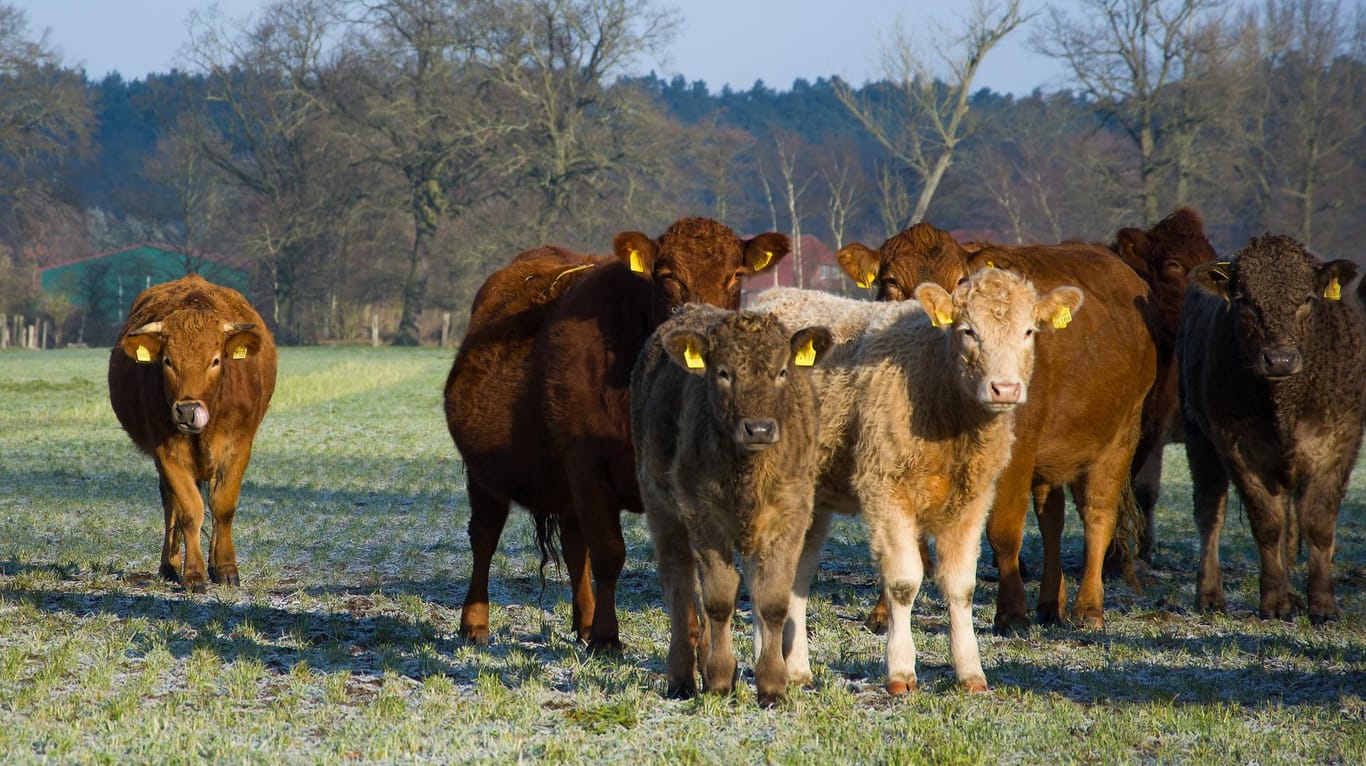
{"x":1281,"y":362}
{"x":1006,"y":393}
{"x":190,"y":417}
{"x":758,"y":433}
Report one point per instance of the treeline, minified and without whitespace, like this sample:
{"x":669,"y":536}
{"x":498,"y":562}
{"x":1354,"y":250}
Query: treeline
{"x":380,"y":158}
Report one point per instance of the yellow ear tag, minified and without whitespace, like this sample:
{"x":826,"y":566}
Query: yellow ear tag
{"x":1334,"y":290}
{"x":761,"y":261}
{"x":1062,"y":318}
{"x":990,"y":265}
{"x":806,"y":355}
{"x":693,"y":359}
{"x":868,"y":279}
{"x":240,"y":352}
{"x":143,"y":356}
{"x":637,"y":265}
{"x":941,"y":319}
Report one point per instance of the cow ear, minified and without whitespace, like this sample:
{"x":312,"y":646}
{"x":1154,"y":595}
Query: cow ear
{"x":143,"y":345}
{"x":809,"y":345}
{"x":1133,"y":248}
{"x":242,"y":341}
{"x":1213,"y":278}
{"x":687,"y":349}
{"x":938,"y":303}
{"x":765,"y":250}
{"x":860,"y":263}
{"x":637,"y":251}
{"x":1331,"y":277}
{"x":1057,"y":307}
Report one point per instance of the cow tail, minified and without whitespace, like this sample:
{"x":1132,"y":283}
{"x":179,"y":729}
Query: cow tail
{"x":1129,"y":525}
{"x":547,"y":542}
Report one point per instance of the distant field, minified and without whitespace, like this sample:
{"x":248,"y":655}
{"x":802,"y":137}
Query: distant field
{"x":341,"y":644}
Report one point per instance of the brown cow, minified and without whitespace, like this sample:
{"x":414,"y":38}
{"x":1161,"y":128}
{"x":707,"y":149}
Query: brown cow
{"x":494,"y":415}
{"x":1273,"y":397}
{"x":538,"y":402}
{"x":190,"y":379}
{"x":724,"y":418}
{"x":1163,"y":256}
{"x":917,"y":407}
{"x":1081,"y":427}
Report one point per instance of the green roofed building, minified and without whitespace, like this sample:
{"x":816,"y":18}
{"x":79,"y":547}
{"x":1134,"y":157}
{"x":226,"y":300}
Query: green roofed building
{"x":102,"y":287}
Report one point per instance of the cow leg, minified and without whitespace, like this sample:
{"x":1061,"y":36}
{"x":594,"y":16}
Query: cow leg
{"x":1145,"y":476}
{"x":1005,"y":533}
{"x":488,"y":515}
{"x":770,"y":574}
{"x":1209,"y":490}
{"x":720,"y":585}
{"x":600,"y":521}
{"x":172,"y":540}
{"x":1267,"y":508}
{"x":1317,"y":508}
{"x":1050,"y":505}
{"x":1101,"y":489}
{"x":224,"y":493}
{"x":678,"y":584}
{"x":896,"y":546}
{"x":188,"y":515}
{"x":796,"y":643}
{"x":575,"y":552}
{"x":876,"y":621}
{"x":958,"y":547}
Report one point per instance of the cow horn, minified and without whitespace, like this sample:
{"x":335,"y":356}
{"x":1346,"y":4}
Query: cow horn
{"x":238,"y":326}
{"x":150,"y":328}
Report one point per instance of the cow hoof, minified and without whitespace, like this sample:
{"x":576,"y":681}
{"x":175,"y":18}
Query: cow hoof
{"x":770,"y":699}
{"x":681,"y":690}
{"x":975,"y":685}
{"x":224,"y":579}
{"x":1211,"y":603}
{"x":198,"y":587}
{"x":169,"y":573}
{"x":1326,"y":617}
{"x":876,"y":623}
{"x":1088,"y":618}
{"x":1049,"y":615}
{"x":479,"y":636}
{"x":604,"y":646}
{"x":1012,"y":626}
{"x":901,"y":688}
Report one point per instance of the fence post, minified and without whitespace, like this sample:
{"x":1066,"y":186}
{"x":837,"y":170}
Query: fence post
{"x":374,"y":329}
{"x":4,"y":331}
{"x":445,"y":328}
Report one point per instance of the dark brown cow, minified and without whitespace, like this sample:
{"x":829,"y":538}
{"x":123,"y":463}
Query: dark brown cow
{"x":1272,"y":397}
{"x":494,"y":414}
{"x":1080,"y":427}
{"x":1163,"y":256}
{"x":190,"y":379}
{"x":724,"y":418}
{"x":538,"y":399}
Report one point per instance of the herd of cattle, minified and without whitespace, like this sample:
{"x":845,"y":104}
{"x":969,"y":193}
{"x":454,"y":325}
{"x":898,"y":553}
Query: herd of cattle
{"x":983,"y":377}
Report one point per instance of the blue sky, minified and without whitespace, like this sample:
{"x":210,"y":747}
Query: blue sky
{"x":721,"y":41}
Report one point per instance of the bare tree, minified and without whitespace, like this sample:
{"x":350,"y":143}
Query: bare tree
{"x":921,"y":120}
{"x":1130,"y":57}
{"x":795,"y":183}
{"x":552,"y":60}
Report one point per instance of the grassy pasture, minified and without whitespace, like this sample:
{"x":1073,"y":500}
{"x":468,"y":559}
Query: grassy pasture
{"x":340,"y":645}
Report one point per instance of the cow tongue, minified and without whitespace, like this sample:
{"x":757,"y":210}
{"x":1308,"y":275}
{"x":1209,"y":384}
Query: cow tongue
{"x":200,"y":419}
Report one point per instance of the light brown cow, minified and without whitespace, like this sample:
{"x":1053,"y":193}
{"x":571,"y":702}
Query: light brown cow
{"x":917,"y":409}
{"x":1081,"y":429}
{"x":190,"y":379}
{"x":724,"y":418}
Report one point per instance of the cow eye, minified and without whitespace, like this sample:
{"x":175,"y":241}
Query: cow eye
{"x":782,"y":374}
{"x":723,"y":375}
{"x":167,"y":364}
{"x":216,"y":361}
{"x":1029,"y":333}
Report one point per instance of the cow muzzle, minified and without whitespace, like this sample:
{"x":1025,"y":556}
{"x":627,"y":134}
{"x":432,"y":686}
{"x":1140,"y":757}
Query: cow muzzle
{"x":190,"y":416}
{"x":1281,"y":362}
{"x":1000,"y":395}
{"x":756,"y":434}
